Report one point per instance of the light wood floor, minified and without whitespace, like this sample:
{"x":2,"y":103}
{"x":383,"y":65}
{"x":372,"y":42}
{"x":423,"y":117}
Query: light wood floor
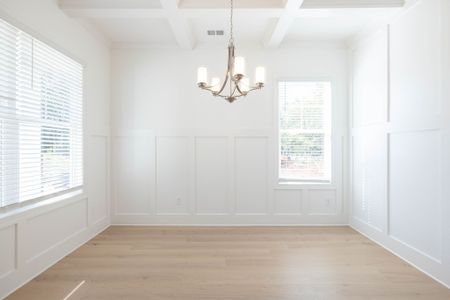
{"x":259,"y":263}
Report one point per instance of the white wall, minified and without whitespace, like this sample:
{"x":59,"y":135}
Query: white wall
{"x":34,"y":239}
{"x":400,"y":137}
{"x":182,"y":156}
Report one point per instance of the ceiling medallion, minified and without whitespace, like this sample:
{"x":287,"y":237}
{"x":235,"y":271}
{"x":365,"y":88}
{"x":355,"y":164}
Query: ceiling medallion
{"x":235,"y":84}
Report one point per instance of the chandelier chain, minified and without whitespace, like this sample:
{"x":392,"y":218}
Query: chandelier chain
{"x":231,"y":23}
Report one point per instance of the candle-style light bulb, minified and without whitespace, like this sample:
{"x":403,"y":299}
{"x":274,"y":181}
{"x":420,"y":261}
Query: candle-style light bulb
{"x":202,"y":75}
{"x":260,"y":75}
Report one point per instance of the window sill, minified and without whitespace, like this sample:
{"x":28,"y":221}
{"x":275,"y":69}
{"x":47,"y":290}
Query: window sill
{"x":304,"y":185}
{"x":27,"y":210}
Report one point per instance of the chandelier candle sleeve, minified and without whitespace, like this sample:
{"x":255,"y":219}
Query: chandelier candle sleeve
{"x":239,"y":66}
{"x":260,"y":75}
{"x":202,"y":75}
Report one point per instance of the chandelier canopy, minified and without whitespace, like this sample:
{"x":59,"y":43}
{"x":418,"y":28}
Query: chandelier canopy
{"x":235,"y":84}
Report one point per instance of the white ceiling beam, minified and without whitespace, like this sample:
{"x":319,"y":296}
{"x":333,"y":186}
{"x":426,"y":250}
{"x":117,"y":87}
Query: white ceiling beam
{"x":109,"y":4}
{"x":352,"y":3}
{"x":179,"y":24}
{"x":111,"y":8}
{"x":103,"y":13}
{"x":283,"y":24}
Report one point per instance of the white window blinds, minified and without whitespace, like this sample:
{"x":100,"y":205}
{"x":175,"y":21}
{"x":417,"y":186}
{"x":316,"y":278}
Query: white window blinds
{"x":305,"y":131}
{"x":40,"y":119}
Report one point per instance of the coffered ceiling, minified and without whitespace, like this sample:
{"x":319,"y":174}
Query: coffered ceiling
{"x":185,"y":23}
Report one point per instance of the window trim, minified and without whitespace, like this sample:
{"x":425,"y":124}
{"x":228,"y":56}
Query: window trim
{"x":80,"y":191}
{"x":284,"y":183}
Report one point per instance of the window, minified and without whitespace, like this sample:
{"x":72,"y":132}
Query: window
{"x":40,"y":119}
{"x":304,"y":131}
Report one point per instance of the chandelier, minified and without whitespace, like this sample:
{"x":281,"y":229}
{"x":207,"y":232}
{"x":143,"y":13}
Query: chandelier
{"x":235,"y":84}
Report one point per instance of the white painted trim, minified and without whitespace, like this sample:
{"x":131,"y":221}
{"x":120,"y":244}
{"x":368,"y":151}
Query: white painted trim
{"x":179,"y":24}
{"x":231,"y":225}
{"x":360,"y":229}
{"x":72,"y":244}
{"x":282,"y":25}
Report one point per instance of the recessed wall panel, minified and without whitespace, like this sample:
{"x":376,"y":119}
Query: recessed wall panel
{"x":251,"y":175}
{"x":133,"y":174}
{"x":370,"y":80}
{"x":416,"y":63}
{"x":98,"y":176}
{"x":212,"y":175}
{"x":49,"y":229}
{"x":415,"y":191}
{"x":321,"y":202}
{"x":288,"y":202}
{"x":7,"y":250}
{"x":172,"y":175}
{"x":369,"y":177}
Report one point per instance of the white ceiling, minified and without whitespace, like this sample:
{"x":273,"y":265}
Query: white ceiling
{"x":267,"y":22}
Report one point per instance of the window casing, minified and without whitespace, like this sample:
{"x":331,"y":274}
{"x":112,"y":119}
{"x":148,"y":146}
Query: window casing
{"x":41,"y":134}
{"x":304,"y":131}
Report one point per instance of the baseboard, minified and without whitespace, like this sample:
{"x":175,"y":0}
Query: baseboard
{"x":361,"y":228}
{"x":231,"y":220}
{"x":230,"y":225}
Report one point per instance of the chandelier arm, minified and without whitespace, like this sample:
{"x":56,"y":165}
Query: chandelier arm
{"x":256,"y":87}
{"x":236,"y":88}
{"x":239,"y":90}
{"x":223,"y":85}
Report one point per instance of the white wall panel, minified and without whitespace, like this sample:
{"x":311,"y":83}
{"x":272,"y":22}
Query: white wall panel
{"x":134,"y":174}
{"x":8,"y":250}
{"x":251,"y":175}
{"x":416,"y":62}
{"x":322,"y":202}
{"x":288,"y":202}
{"x":415,"y":187}
{"x":370,"y":85}
{"x":369,"y":177}
{"x":212,"y":175}
{"x":173,"y":175}
{"x":98,"y":178}
{"x":410,"y":219}
{"x":48,"y":230}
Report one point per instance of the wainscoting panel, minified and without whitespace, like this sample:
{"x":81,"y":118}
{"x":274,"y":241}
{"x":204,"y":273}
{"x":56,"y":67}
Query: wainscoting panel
{"x":322,"y":202}
{"x":369,"y":177}
{"x":212,"y":165}
{"x":43,"y":232}
{"x":415,"y":190}
{"x":217,"y":178}
{"x":251,"y":163}
{"x":419,"y":32}
{"x":288,"y":202}
{"x":173,"y":175}
{"x":371,"y":92}
{"x":98,"y":178}
{"x":8,"y":251}
{"x":134,"y":174}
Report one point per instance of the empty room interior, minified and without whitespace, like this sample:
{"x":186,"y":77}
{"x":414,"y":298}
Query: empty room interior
{"x":225,"y":149}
